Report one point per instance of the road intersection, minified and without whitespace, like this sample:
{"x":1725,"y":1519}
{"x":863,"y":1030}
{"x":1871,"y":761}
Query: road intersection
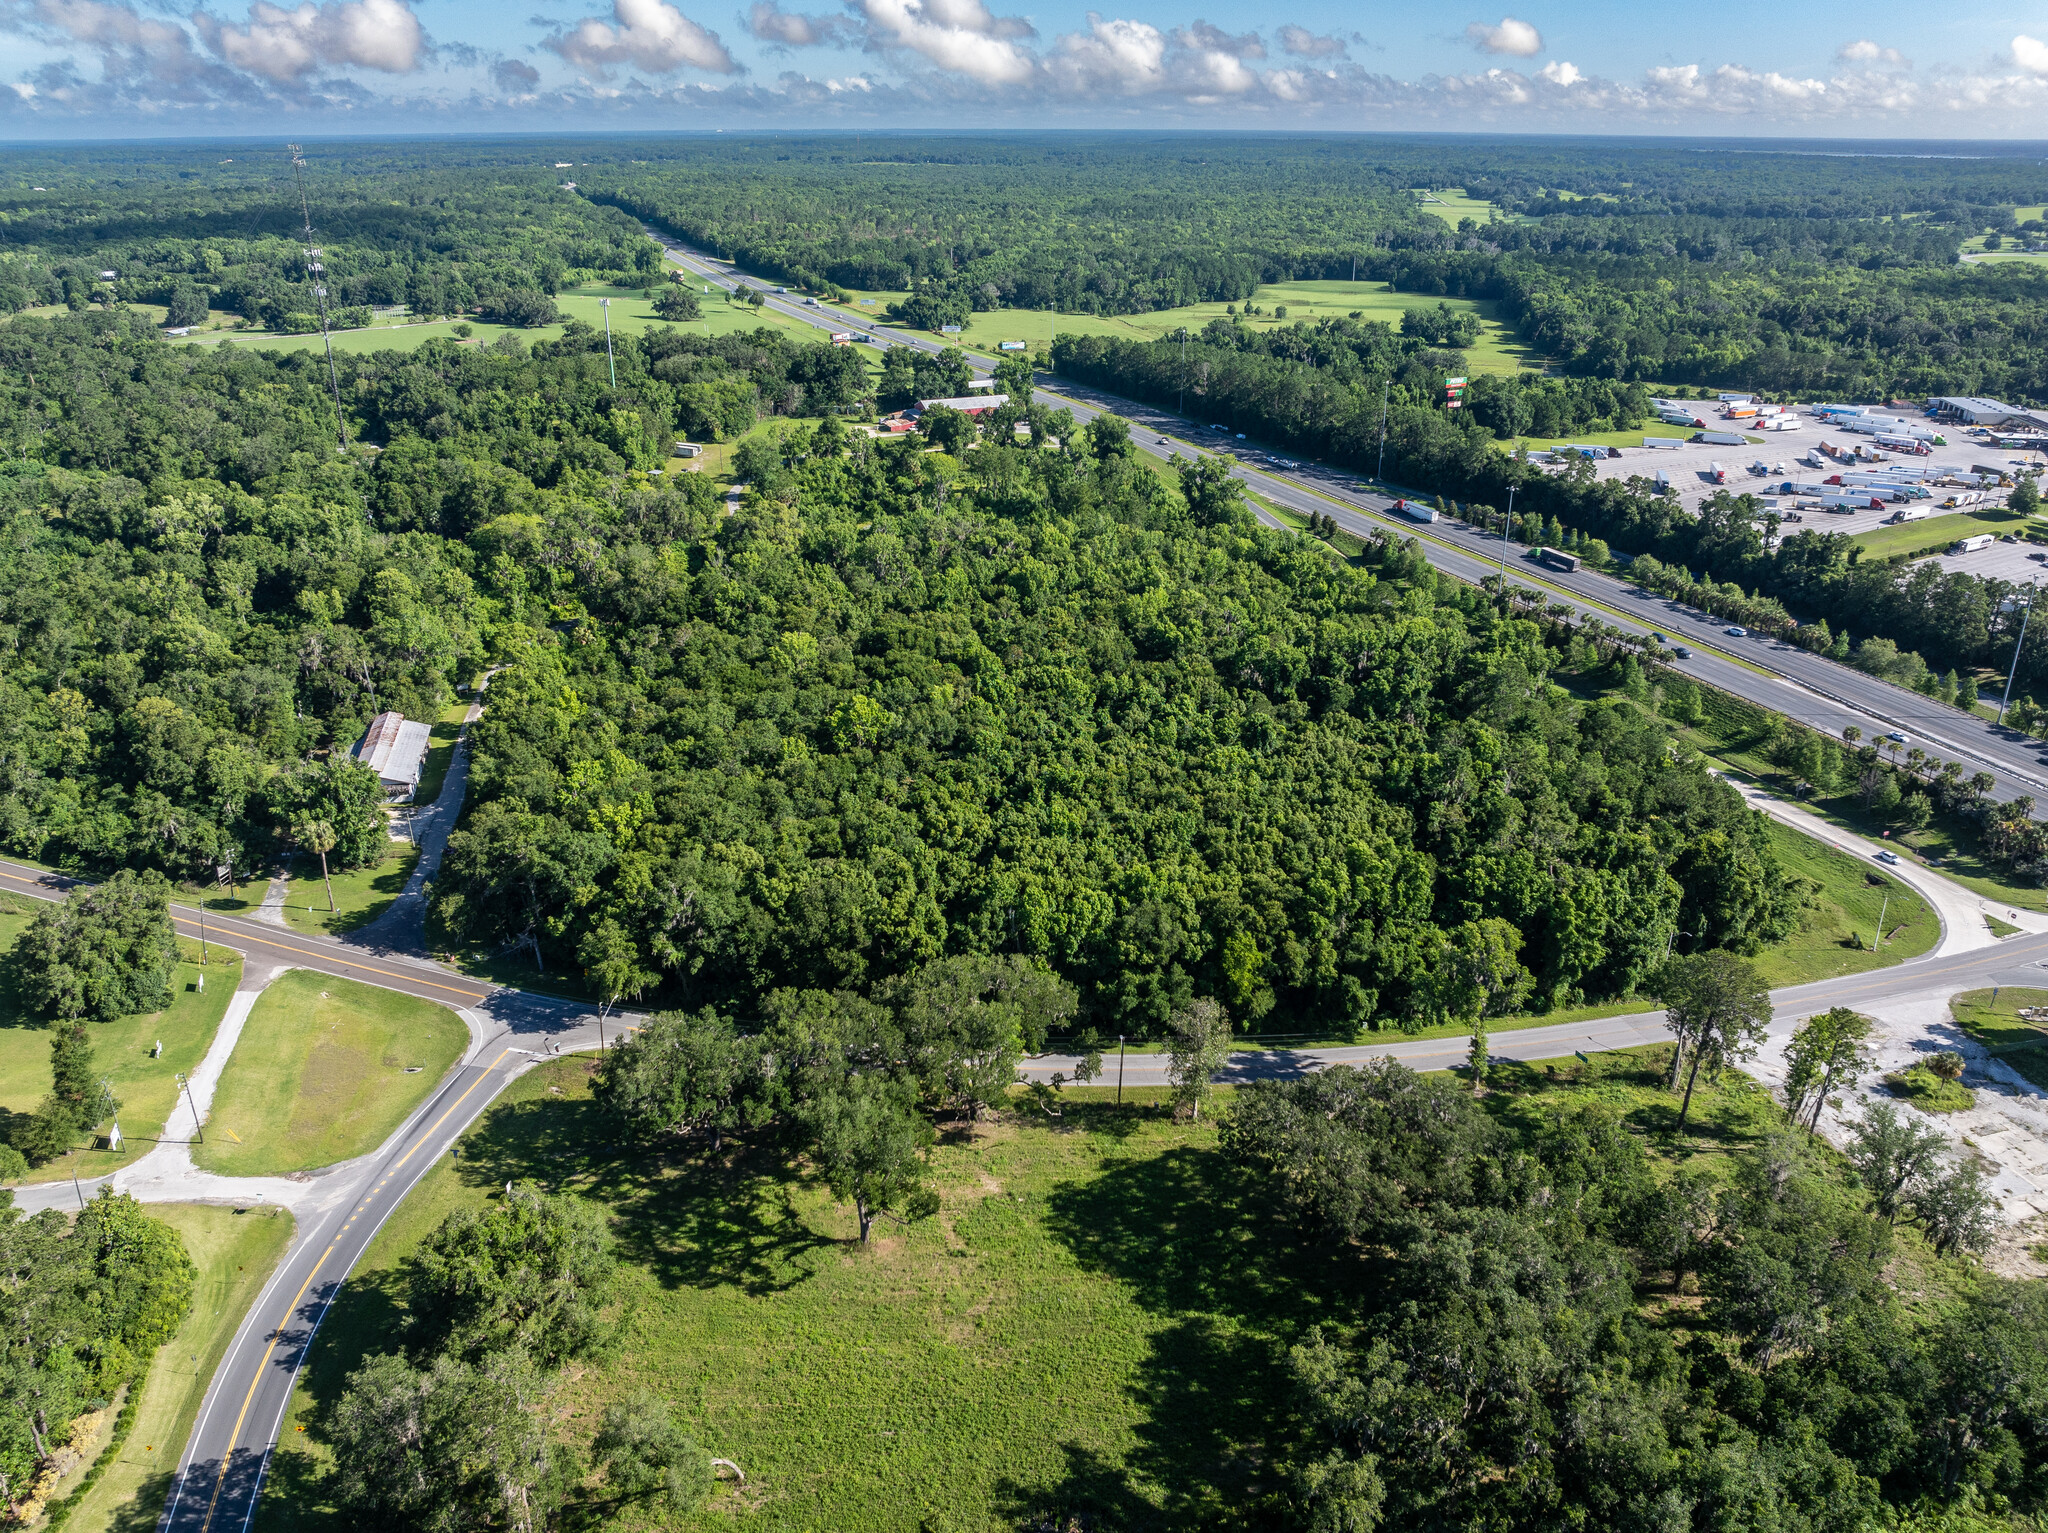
{"x":339,"y":1209}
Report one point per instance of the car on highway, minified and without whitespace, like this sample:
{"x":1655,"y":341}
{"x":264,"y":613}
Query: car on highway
{"x":1655,"y":637}
{"x":1682,"y":652}
{"x":1898,"y":739}
{"x":1890,"y":857}
{"x":1734,"y":632}
{"x":1162,"y":441}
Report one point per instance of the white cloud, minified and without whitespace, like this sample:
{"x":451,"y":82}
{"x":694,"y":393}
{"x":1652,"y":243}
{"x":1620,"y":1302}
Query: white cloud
{"x":1864,"y":51}
{"x":278,"y":44}
{"x":2031,"y":54}
{"x":1200,"y":35}
{"x":792,"y":29}
{"x":1516,"y":38}
{"x":1557,"y":72}
{"x":647,"y":34}
{"x":959,"y":36}
{"x":1304,"y":44}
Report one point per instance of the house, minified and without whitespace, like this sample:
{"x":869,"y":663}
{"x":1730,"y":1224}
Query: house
{"x":968,"y":404}
{"x":394,"y":747}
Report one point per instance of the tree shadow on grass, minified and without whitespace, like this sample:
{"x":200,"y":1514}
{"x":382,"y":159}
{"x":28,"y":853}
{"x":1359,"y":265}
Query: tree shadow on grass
{"x":693,"y":1219}
{"x":1194,"y":1239}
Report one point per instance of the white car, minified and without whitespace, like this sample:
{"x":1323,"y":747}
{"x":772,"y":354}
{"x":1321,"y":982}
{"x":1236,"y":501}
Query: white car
{"x":1889,"y":857}
{"x":1736,"y":633}
{"x":1898,"y":738}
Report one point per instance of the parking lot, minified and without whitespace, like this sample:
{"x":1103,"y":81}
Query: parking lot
{"x":2017,"y":562}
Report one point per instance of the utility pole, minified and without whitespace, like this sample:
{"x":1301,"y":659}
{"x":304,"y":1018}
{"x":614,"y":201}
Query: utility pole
{"x":2012,"y":671}
{"x":198,"y":1133}
{"x":1119,"y":1069}
{"x":1379,"y":473}
{"x":1885,"y":905}
{"x":1183,"y":371}
{"x":316,"y":271}
{"x":609,"y":364}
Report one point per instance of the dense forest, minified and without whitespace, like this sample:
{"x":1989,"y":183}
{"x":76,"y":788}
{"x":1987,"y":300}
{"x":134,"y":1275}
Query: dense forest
{"x":1010,"y":700}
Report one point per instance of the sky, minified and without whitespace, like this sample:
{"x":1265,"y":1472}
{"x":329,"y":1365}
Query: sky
{"x":144,"y":68}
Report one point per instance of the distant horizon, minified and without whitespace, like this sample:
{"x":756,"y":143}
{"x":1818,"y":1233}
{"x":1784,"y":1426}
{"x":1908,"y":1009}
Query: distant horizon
{"x":86,"y":70}
{"x":1873,"y":146}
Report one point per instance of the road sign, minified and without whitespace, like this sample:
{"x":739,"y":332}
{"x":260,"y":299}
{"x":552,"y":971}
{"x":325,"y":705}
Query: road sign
{"x":1454,"y":383}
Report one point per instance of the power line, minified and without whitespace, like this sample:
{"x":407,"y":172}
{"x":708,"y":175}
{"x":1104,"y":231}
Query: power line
{"x":316,"y":272}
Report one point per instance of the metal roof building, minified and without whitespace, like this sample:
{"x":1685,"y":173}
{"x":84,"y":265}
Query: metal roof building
{"x":968,"y":404}
{"x":394,"y":747}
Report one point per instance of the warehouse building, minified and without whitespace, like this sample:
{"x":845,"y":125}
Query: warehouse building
{"x":395,"y":747}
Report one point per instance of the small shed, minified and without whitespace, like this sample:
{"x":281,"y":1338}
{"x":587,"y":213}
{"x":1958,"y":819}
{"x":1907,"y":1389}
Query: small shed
{"x":395,"y":747}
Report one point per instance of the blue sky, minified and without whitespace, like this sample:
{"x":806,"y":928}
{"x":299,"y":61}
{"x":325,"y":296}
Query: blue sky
{"x":84,"y":68}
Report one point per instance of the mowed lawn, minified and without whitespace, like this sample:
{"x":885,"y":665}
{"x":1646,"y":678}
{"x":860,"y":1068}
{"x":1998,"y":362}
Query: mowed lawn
{"x":631,"y":313}
{"x":324,"y":1071}
{"x":1498,"y":349}
{"x":1097,"y":1318}
{"x":235,"y":1250}
{"x":1847,"y":902}
{"x":147,"y":1088}
{"x":360,"y":894}
{"x":1911,"y":537}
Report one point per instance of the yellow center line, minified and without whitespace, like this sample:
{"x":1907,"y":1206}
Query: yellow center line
{"x":239,"y":935}
{"x":234,"y":1437}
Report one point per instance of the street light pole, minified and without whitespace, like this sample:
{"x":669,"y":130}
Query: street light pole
{"x":1119,"y":1069}
{"x":1884,"y":906}
{"x":1508,"y":522}
{"x":2013,"y":670}
{"x":609,"y":364}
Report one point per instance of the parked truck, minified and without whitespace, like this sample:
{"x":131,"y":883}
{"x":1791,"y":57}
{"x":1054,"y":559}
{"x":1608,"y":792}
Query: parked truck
{"x":1972,"y":543}
{"x":1717,"y":473}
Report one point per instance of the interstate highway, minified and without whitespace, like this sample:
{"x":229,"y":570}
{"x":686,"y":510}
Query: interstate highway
{"x":1807,"y":688}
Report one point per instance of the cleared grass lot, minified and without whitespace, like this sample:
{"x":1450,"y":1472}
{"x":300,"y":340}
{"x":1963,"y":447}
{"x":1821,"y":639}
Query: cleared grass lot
{"x":147,"y":1088}
{"x":1098,"y":1316}
{"x":235,"y":1251}
{"x":324,"y":1071}
{"x":1497,"y":351}
{"x":1847,"y":904}
{"x":360,"y":895}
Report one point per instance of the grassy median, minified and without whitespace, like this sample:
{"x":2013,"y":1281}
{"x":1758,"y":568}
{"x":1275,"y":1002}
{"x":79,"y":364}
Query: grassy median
{"x":325,"y":1070}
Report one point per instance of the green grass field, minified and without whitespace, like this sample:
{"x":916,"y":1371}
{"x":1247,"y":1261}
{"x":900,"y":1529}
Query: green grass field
{"x":1993,"y":1018}
{"x":1451,"y":204}
{"x":1935,"y":532}
{"x":1847,"y":903}
{"x":631,"y":313}
{"x":360,"y":894}
{"x":1498,"y":350}
{"x":234,"y":1250}
{"x":1097,"y":1313}
{"x":147,"y":1088}
{"x":325,"y":1070}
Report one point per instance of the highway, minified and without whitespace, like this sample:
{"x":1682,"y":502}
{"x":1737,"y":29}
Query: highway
{"x":1808,"y":688}
{"x":220,"y":1474}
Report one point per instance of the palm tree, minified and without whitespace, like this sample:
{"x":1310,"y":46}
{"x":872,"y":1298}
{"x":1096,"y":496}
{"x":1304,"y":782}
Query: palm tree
{"x":318,"y":836}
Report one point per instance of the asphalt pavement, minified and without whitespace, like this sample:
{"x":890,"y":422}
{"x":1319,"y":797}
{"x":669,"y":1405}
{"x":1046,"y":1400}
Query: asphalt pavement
{"x":1810,"y":689}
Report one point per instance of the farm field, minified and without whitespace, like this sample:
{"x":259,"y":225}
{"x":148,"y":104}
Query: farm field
{"x":325,"y":1069}
{"x":1451,"y":204}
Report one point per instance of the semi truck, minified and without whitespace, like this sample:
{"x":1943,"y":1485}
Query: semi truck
{"x":1972,"y":543}
{"x":1414,"y":512}
{"x":1720,"y":438}
{"x":1717,"y":473}
{"x":1557,"y":559}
